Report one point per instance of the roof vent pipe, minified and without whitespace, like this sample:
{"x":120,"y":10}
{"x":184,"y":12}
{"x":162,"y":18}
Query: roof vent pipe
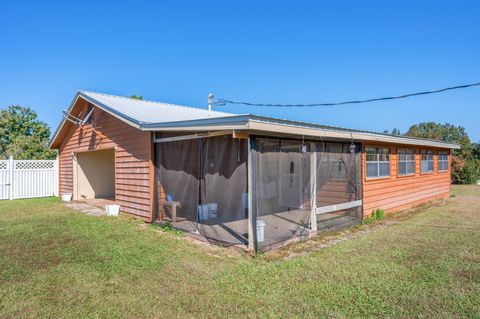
{"x":210,"y":102}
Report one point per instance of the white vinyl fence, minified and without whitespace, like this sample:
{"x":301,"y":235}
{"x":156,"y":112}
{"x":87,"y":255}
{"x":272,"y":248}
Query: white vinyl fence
{"x":28,"y":178}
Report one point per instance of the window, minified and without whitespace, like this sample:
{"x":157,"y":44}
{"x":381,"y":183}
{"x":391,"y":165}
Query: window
{"x":378,"y":162}
{"x":427,"y":161}
{"x":442,"y":161}
{"x":406,"y":161}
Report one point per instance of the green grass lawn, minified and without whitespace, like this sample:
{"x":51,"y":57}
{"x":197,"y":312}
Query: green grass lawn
{"x":58,"y":263}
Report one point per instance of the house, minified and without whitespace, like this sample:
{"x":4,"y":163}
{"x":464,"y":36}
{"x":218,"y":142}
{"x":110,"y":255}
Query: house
{"x":243,"y":179}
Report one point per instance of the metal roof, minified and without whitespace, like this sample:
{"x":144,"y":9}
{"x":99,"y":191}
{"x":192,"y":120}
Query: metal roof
{"x":143,"y":112}
{"x":153,"y":116}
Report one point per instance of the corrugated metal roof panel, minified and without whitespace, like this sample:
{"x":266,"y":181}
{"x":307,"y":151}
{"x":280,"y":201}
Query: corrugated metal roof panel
{"x":142,"y":111}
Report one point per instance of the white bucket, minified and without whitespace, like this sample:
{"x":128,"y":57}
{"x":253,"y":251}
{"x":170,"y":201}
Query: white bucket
{"x":260,"y":230}
{"x":213,"y":208}
{"x":202,"y":212}
{"x":112,"y":210}
{"x":66,"y":197}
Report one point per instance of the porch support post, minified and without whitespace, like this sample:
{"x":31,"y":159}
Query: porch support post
{"x":313,"y":185}
{"x":251,"y":189}
{"x":153,"y":186}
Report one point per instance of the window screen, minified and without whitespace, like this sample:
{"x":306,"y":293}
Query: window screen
{"x":378,"y":162}
{"x":427,"y":161}
{"x":442,"y":161}
{"x":406,"y":162}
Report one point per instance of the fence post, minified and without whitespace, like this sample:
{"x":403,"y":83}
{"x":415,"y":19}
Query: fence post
{"x":10,"y":177}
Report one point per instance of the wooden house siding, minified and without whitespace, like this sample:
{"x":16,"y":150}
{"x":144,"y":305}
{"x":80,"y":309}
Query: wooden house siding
{"x":400,"y":192}
{"x":134,"y":169}
{"x":132,"y":157}
{"x":334,"y":192}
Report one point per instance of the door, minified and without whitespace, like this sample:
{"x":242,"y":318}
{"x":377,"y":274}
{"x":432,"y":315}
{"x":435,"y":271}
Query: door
{"x":291,"y":172}
{"x":94,"y":174}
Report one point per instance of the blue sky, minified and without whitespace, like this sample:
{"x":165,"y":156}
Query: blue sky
{"x":261,"y":51}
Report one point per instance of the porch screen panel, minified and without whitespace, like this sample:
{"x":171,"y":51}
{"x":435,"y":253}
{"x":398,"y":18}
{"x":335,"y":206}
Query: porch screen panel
{"x":206,"y":179}
{"x":178,"y":171}
{"x":282,"y":191}
{"x":337,"y":181}
{"x":223,"y":187}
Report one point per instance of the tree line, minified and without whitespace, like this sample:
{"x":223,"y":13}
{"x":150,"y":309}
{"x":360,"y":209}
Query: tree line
{"x":24,"y":136}
{"x":465,"y":161}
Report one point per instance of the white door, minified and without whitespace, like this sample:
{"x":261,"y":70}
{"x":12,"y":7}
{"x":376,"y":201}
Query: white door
{"x":291,"y":172}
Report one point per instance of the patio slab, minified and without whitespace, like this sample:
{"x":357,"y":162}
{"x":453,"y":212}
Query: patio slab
{"x":86,"y":208}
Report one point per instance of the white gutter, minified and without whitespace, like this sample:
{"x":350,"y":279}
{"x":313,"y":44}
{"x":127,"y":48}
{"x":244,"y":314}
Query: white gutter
{"x":357,"y":136}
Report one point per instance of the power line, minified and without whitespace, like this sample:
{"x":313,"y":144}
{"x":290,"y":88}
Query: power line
{"x":223,"y":101}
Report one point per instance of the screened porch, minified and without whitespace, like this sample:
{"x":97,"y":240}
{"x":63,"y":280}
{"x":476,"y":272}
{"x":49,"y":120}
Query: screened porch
{"x":252,"y":191}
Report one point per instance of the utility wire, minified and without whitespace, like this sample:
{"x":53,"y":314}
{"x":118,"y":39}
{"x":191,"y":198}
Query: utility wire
{"x":223,"y":101}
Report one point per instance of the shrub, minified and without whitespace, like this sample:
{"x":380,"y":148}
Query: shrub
{"x":377,"y":214}
{"x":168,"y":228}
{"x":465,"y":171}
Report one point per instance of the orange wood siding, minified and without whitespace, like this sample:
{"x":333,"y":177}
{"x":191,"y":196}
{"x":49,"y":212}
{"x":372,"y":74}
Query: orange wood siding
{"x":333,"y":192}
{"x":399,"y":192}
{"x":132,"y":157}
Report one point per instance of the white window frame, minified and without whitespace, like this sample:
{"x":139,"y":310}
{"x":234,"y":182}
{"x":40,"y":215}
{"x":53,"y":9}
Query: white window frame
{"x":427,"y":153}
{"x":406,"y":161}
{"x":443,"y":161}
{"x":378,"y":151}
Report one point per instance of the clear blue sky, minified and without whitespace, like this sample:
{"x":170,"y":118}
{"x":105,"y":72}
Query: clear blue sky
{"x":277,"y":51}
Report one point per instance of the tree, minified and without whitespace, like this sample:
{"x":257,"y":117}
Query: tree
{"x":396,"y":131}
{"x":445,"y":132}
{"x":23,"y":135}
{"x":476,"y":150}
{"x":466,"y":161}
{"x":136,"y":97}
